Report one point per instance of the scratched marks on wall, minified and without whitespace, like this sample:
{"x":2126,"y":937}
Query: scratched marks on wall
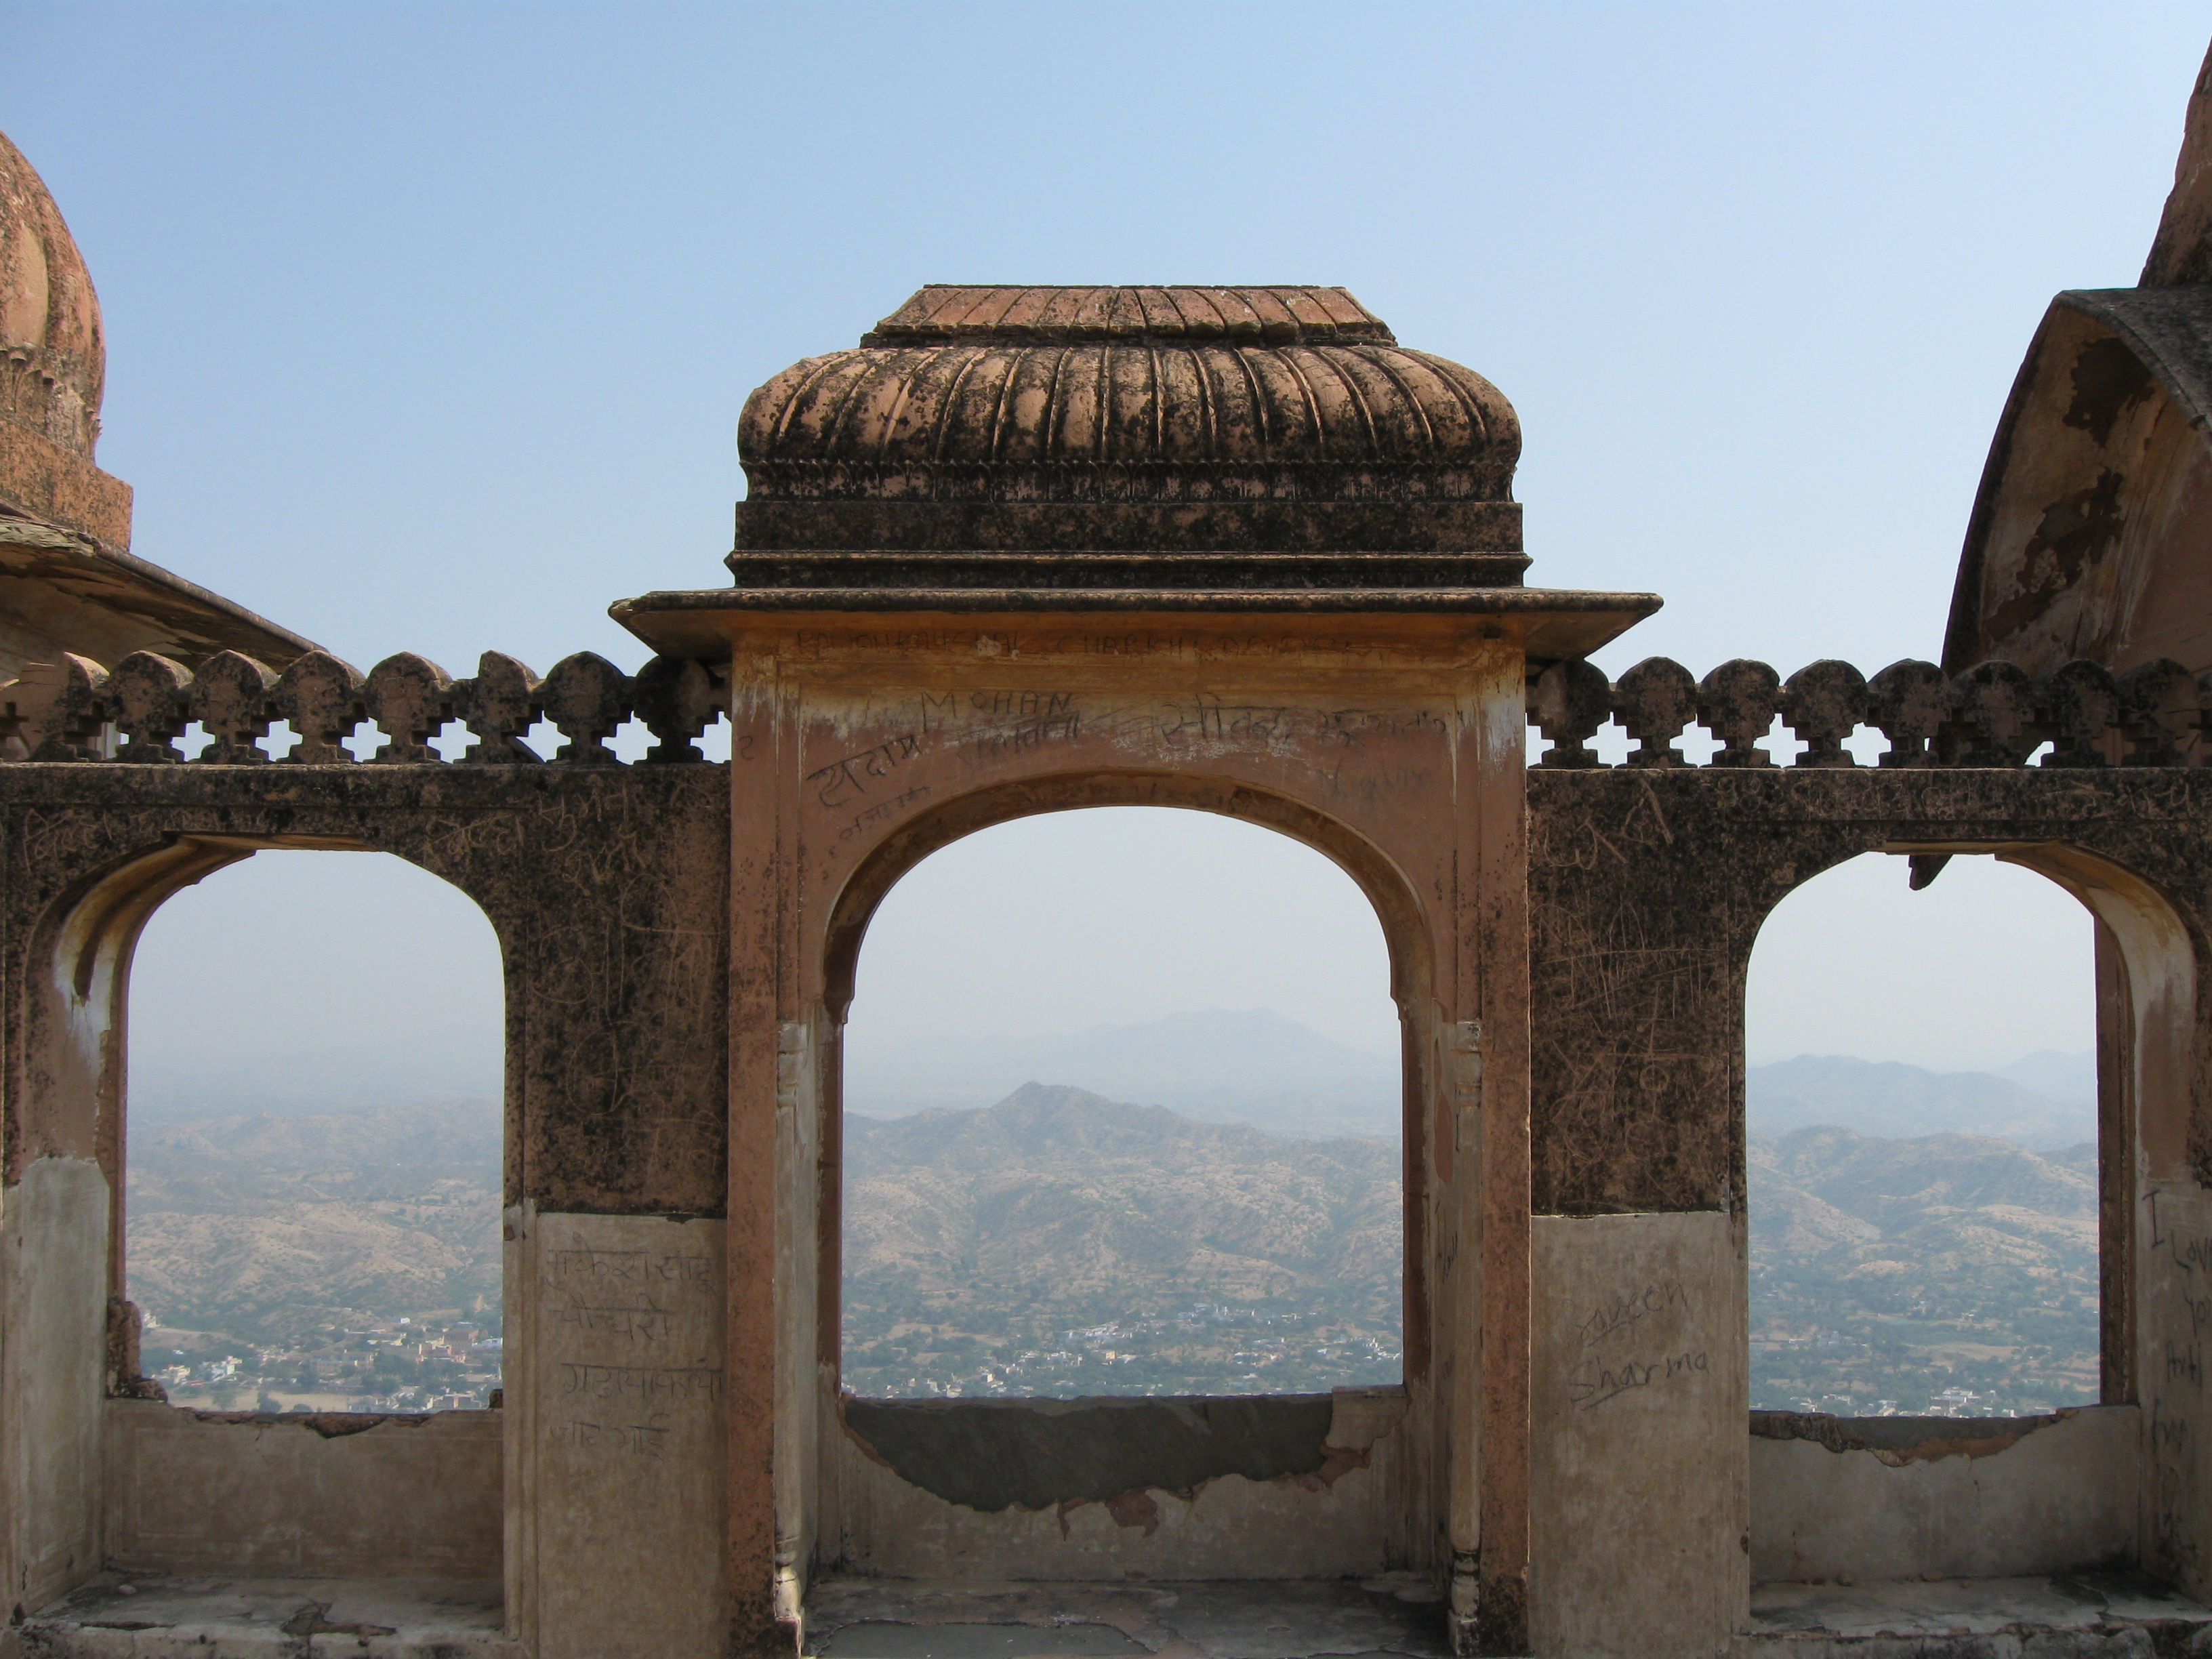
{"x":1137,"y":644}
{"x":1202,"y":720}
{"x":1650,"y":997}
{"x":1617,"y":841}
{"x":628,"y":1333}
{"x":1634,"y":1340}
{"x":994,"y":722}
{"x":2179,"y":1244}
{"x":982,"y":728}
{"x":1625,"y":1312}
{"x":849,"y":777}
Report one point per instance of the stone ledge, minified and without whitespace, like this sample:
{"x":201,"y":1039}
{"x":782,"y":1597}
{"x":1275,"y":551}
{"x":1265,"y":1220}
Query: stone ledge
{"x":1400,"y":1614}
{"x":202,"y":1616}
{"x":2068,"y":1616}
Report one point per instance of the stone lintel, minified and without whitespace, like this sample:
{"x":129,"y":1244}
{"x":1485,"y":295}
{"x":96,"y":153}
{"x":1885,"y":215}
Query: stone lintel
{"x":1549,"y":623}
{"x":1049,"y":531}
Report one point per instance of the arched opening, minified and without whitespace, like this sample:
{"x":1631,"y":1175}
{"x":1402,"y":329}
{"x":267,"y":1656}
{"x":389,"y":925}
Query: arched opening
{"x":1123,"y":1115}
{"x":2088,"y":1485}
{"x":1854,"y":1497}
{"x":240,"y":1215}
{"x":1923,"y":1158}
{"x":313,"y":1139}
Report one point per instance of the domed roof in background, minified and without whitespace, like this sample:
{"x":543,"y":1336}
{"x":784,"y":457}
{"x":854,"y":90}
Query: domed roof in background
{"x":1097,"y":393}
{"x":1138,"y":452}
{"x":51,"y":359}
{"x":68,"y":580}
{"x":1244,"y":400}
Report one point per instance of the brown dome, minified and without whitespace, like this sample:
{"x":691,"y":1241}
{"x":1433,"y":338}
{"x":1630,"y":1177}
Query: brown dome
{"x":51,"y":360}
{"x":1166,"y":417}
{"x":1122,"y":394}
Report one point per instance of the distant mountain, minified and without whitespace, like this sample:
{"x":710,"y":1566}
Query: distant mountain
{"x":260,"y":1225}
{"x":1898,"y":1268}
{"x":1886,"y":1098}
{"x":1061,"y":1242}
{"x":1252,"y":1066}
{"x":974,"y":1238}
{"x":2069,"y":1079}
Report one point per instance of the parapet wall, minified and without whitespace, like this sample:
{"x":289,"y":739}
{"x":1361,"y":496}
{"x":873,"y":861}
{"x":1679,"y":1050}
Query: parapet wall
{"x":254,"y":1495}
{"x":1994,"y":715}
{"x":77,"y":709}
{"x":1649,"y":883}
{"x":607,"y":888}
{"x":1888,"y":1497}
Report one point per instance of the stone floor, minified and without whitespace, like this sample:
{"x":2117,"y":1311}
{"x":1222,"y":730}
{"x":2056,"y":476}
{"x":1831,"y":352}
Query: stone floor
{"x":2086,"y":1615}
{"x":165,"y":1616}
{"x":174,"y":1616}
{"x":889,"y":1619}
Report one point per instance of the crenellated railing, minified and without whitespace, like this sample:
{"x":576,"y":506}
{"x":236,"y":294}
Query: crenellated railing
{"x":139,"y":710}
{"x":1993,"y":714}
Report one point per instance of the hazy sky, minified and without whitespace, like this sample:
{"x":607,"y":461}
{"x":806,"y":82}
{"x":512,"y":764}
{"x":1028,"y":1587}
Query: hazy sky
{"x":1989,"y":964}
{"x":429,"y":326}
{"x":1145,"y":912}
{"x":302,"y":981}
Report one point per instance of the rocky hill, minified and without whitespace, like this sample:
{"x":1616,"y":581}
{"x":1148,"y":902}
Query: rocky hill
{"x":260,"y":1226}
{"x":1062,"y":1243}
{"x":1217,"y":1064}
{"x":1898,"y":1270}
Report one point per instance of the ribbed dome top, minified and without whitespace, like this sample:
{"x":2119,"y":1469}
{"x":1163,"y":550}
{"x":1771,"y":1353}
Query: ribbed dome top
{"x":1099,"y":394}
{"x":51,"y":360}
{"x":1277,"y":315}
{"x":1281,"y":430}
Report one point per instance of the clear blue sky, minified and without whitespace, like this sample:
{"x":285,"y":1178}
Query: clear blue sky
{"x":429,"y":326}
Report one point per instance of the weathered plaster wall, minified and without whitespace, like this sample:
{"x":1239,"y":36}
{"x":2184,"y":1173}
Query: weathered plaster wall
{"x":1639,"y":1380}
{"x":1649,"y":886}
{"x":1328,"y":1516}
{"x":2173,"y":1316}
{"x":618,"y":1515}
{"x":606,"y":886}
{"x":2089,"y":530}
{"x":2058,"y":1498}
{"x":53,"y":1373}
{"x":326,"y":1497}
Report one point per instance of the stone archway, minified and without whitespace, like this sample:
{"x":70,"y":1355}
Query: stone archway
{"x":1236,"y":544}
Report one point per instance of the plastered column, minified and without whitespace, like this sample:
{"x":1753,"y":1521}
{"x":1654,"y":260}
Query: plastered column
{"x":53,"y":1272}
{"x":620,"y":1378}
{"x":1640,"y":1465}
{"x":1487,"y":1385}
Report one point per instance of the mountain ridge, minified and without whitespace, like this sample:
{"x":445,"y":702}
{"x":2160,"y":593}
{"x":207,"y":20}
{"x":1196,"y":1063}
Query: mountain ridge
{"x":1214,"y":1064}
{"x":1058,"y":1242}
{"x":261,"y":1223}
{"x":1899,"y":1102}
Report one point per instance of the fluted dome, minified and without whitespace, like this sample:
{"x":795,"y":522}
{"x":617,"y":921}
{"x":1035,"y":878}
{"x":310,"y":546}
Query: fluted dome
{"x":1090,"y":394}
{"x":51,"y":359}
{"x":1130,"y":419}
